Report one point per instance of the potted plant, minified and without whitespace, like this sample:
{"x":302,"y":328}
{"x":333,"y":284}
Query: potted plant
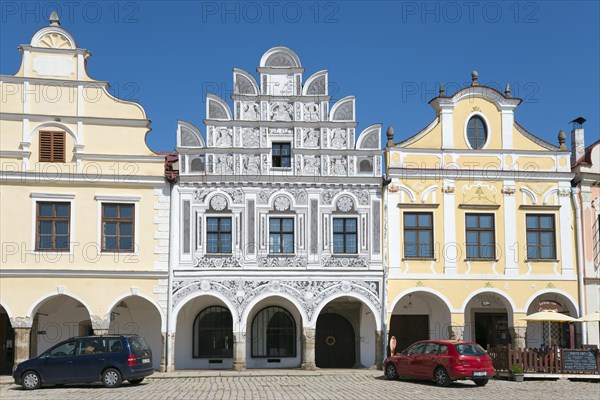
{"x":517,"y":373}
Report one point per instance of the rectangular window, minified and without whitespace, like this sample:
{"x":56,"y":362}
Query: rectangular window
{"x":480,"y":235}
{"x":53,"y":226}
{"x":117,"y":227}
{"x":282,"y":155}
{"x":218,"y":235}
{"x":281,"y":235}
{"x":541,"y":237}
{"x":345,"y":236}
{"x":52,"y":146}
{"x":418,"y":235}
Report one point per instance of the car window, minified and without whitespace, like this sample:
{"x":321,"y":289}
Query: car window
{"x":138,"y":345}
{"x":114,"y":345}
{"x":470,"y":349}
{"x":416,"y":348}
{"x":63,"y":350}
{"x":90,"y":346}
{"x":443,"y":348}
{"x":432,"y":348}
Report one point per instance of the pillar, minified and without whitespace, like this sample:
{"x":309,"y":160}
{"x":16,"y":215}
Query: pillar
{"x":100,"y":332}
{"x":518,"y":331}
{"x":163,"y":352}
{"x":456,"y":329}
{"x":239,"y":351}
{"x":171,"y":352}
{"x":380,"y":349}
{"x":308,"y":348}
{"x":22,"y":336}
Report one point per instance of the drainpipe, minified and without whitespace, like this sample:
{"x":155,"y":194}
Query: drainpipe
{"x":580,"y":270}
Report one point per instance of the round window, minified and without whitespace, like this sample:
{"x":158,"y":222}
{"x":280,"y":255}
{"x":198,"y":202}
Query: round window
{"x":476,"y":132}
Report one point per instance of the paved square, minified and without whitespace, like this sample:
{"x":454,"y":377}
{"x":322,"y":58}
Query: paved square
{"x":345,"y":385}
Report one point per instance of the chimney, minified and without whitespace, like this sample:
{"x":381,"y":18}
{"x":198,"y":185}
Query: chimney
{"x":577,"y":140}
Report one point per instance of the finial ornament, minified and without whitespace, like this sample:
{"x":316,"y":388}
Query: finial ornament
{"x":54,"y":20}
{"x":507,"y":90}
{"x":562,"y":139}
{"x":474,"y":76}
{"x":390,"y":136}
{"x":442,"y":90}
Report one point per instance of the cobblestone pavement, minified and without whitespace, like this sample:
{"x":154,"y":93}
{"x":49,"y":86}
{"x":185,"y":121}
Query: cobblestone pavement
{"x":341,"y":385}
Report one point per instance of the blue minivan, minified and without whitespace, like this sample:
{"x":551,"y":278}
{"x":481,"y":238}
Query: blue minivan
{"x":108,"y":359}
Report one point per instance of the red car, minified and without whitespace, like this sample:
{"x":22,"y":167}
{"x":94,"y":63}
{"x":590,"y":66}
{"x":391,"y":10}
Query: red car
{"x":442,"y":361}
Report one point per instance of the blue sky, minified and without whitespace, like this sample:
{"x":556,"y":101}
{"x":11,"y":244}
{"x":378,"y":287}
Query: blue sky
{"x":390,"y":55}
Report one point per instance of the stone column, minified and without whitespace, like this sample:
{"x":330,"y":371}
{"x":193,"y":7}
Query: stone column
{"x":239,"y":351}
{"x":22,"y":336}
{"x":518,"y":332}
{"x":379,"y":349}
{"x":163,"y":353}
{"x":308,"y":348}
{"x":456,"y":329}
{"x":99,"y":331}
{"x":171,"y":341}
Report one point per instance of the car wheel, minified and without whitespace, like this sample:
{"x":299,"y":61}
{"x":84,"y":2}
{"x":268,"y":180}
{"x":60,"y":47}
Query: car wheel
{"x":390,"y":372}
{"x":136,"y":381}
{"x":441,"y":377}
{"x":111,"y":378}
{"x":31,"y":380}
{"x":481,"y":382}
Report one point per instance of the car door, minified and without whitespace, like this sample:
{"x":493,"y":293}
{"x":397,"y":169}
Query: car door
{"x":407,"y":364}
{"x":58,"y":363}
{"x":89,"y":359}
{"x":427,"y":361}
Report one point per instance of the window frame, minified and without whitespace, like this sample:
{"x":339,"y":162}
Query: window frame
{"x":486,"y":131}
{"x":280,"y":156}
{"x":118,"y":220}
{"x":345,"y":234}
{"x":54,"y":137}
{"x":197,"y":329}
{"x":538,"y":231}
{"x":254,"y":352}
{"x":280,"y":233}
{"x":219,"y":232}
{"x":478,"y":230}
{"x":53,"y":219}
{"x":418,"y":229}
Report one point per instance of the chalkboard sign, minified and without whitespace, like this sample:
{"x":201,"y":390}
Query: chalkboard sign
{"x":580,"y":360}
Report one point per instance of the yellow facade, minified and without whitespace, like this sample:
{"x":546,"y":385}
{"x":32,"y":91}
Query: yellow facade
{"x":478,"y":288}
{"x":48,"y":290}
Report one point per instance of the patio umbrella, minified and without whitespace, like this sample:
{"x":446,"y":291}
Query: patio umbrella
{"x":591,"y":317}
{"x":548,"y":316}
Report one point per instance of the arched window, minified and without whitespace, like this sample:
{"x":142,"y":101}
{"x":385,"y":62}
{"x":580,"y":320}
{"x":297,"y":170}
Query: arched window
{"x":273,"y":333}
{"x":213,"y":333}
{"x":476,"y":132}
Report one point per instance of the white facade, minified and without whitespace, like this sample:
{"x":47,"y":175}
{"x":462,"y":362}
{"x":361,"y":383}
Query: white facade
{"x":237,"y":174}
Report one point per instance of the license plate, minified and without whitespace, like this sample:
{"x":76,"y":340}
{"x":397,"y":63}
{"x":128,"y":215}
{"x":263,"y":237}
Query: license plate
{"x":145,"y":360}
{"x":480,"y":373}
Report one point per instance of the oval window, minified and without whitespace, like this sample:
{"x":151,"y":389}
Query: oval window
{"x":476,"y":132}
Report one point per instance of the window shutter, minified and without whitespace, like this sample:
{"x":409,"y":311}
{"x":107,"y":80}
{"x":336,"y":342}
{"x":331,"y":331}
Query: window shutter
{"x":52,"y":146}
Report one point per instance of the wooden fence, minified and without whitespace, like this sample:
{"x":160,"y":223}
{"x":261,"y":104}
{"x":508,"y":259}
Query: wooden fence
{"x":543,"y":361}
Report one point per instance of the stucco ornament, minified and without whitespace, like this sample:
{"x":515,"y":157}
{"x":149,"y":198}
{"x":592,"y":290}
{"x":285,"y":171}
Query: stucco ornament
{"x":218,"y":202}
{"x":282,"y":203}
{"x":345,"y":204}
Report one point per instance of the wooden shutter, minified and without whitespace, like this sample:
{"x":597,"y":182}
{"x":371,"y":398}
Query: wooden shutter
{"x":52,"y":146}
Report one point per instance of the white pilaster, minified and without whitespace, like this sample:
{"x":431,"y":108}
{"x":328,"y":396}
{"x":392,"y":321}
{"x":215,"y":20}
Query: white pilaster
{"x":393,"y":232}
{"x":451,"y":249}
{"x":565,"y":251}
{"x":508,"y":120}
{"x":511,"y":247}
{"x":447,"y":129}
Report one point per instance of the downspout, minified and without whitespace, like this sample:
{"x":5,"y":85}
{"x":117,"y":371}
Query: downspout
{"x":580,"y":270}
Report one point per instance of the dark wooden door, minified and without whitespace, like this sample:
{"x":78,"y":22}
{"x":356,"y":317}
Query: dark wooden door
{"x":7,"y":345}
{"x":492,"y":329}
{"x":408,"y":329}
{"x":335,"y":345}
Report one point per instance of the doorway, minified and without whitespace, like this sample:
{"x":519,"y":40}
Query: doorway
{"x":492,"y":329}
{"x":408,"y":329}
{"x":7,"y":344}
{"x":335,"y":345}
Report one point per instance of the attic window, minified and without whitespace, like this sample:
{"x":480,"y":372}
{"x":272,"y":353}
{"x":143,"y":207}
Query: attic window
{"x":476,"y":132}
{"x":52,"y":146}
